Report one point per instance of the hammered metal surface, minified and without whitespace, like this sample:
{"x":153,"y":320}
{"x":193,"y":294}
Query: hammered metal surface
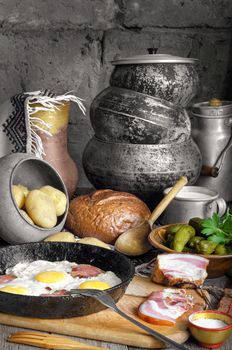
{"x":172,"y":82}
{"x":141,"y":169}
{"x":122,"y":115}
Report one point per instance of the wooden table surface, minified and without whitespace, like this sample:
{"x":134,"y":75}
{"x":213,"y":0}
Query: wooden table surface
{"x":5,"y":331}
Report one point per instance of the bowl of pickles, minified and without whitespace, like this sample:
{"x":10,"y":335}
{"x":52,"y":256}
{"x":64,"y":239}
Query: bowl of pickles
{"x":209,"y":237}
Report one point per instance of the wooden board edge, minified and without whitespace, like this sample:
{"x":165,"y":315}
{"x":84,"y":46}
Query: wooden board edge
{"x":147,"y":341}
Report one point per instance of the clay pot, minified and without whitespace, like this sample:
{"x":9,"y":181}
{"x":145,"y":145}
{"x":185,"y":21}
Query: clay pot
{"x":122,"y":115}
{"x":140,"y":169}
{"x":32,"y":172}
{"x":55,"y":144}
{"x":167,"y":77}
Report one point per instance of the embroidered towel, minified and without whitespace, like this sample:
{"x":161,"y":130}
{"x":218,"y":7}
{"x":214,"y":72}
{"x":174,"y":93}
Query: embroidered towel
{"x":18,"y":126}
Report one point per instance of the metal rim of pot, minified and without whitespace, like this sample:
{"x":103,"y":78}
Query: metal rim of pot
{"x":153,"y":59}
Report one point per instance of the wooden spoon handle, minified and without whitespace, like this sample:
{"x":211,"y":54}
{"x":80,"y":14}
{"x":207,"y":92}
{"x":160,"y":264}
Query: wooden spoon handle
{"x":167,"y":199}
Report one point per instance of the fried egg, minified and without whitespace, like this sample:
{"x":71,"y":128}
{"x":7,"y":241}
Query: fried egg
{"x":43,"y":277}
{"x":94,"y":284}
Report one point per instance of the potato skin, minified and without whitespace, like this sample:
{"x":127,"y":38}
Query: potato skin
{"x":58,"y":197}
{"x":93,"y":241}
{"x":18,"y":195}
{"x":63,"y":236}
{"x":41,"y":209}
{"x":24,"y":189}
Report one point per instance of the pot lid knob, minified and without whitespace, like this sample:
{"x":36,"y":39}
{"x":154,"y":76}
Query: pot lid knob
{"x":152,"y":50}
{"x":215,"y":102}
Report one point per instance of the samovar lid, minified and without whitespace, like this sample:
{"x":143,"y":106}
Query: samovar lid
{"x":152,"y":57}
{"x":213,"y":108}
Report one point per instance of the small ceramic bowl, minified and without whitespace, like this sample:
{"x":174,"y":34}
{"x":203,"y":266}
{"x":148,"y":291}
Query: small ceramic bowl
{"x":204,"y":333}
{"x":218,"y":264}
{"x":32,"y":172}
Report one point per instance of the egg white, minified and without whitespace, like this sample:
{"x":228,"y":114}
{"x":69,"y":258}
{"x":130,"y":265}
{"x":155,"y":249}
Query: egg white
{"x":26,"y":272}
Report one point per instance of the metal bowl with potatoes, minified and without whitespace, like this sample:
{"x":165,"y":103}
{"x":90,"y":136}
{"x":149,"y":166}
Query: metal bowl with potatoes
{"x":29,"y":209}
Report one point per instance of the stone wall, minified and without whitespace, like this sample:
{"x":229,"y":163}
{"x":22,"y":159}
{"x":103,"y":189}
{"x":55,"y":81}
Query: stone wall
{"x":68,"y":45}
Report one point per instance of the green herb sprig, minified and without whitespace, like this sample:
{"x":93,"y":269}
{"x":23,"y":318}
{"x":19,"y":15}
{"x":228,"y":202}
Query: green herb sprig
{"x":218,"y":229}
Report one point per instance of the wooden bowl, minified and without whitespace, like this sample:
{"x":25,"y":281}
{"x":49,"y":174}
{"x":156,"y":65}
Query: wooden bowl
{"x":210,"y":338}
{"x":218,"y":264}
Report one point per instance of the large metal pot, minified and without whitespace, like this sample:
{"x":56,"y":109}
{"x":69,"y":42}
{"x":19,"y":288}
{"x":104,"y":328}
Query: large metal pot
{"x":140,"y":169}
{"x":212,"y":131}
{"x":69,"y":305}
{"x":122,"y":115}
{"x":168,"y":77}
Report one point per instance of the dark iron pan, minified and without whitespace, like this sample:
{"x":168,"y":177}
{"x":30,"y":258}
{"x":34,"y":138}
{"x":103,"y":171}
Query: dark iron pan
{"x":62,"y":306}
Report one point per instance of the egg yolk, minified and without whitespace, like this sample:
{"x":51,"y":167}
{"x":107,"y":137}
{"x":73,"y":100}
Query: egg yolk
{"x":94,"y":285}
{"x":50,"y":276}
{"x":14,"y":289}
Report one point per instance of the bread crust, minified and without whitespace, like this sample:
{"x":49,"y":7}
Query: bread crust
{"x":105,"y":214}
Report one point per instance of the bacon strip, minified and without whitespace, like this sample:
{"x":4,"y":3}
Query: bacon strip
{"x":180,"y":269}
{"x":6,"y":278}
{"x":85,"y":270}
{"x":165,"y":307}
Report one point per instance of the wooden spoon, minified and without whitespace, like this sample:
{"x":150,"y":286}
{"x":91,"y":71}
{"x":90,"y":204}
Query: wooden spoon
{"x":134,"y":241}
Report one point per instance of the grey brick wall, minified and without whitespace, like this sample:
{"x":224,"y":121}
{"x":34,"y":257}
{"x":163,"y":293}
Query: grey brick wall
{"x":69,"y":44}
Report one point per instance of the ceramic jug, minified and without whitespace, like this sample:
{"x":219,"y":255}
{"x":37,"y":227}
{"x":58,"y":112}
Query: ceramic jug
{"x":211,"y":131}
{"x":53,"y":135}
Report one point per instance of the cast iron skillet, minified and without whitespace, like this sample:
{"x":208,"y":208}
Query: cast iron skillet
{"x":62,"y":306}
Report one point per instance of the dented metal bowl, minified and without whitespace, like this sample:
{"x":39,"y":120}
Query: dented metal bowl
{"x":122,"y":115}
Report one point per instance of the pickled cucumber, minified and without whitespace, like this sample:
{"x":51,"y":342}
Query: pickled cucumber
{"x":182,"y":236}
{"x":221,"y":249}
{"x":206,"y":247}
{"x":193,"y":241}
{"x":173,"y":229}
{"x":197,"y":224}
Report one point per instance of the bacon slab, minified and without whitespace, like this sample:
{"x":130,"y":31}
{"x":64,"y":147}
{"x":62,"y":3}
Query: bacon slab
{"x":85,"y":270}
{"x":165,"y":307}
{"x":186,"y":270}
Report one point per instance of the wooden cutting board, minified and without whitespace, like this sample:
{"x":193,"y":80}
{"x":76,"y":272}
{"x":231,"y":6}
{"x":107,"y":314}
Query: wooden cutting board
{"x":108,"y":326}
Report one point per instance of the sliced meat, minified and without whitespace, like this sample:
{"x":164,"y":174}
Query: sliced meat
{"x":6,"y":278}
{"x":85,"y":270}
{"x":186,"y":270}
{"x":165,"y":307}
{"x":56,"y":293}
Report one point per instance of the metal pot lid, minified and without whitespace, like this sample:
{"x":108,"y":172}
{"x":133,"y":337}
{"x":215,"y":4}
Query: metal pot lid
{"x":213,"y":108}
{"x":154,"y":58}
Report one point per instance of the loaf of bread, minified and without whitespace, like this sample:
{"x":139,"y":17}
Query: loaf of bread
{"x":105,"y":214}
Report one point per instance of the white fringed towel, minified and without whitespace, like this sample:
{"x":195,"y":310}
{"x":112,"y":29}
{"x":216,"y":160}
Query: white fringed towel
{"x":19,"y":126}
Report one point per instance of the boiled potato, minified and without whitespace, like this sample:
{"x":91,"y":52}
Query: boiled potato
{"x":18,"y":196}
{"x":24,"y":189}
{"x":41,"y":209}
{"x":93,"y":241}
{"x":64,"y":236}
{"x":26,"y":216}
{"x":58,"y":197}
